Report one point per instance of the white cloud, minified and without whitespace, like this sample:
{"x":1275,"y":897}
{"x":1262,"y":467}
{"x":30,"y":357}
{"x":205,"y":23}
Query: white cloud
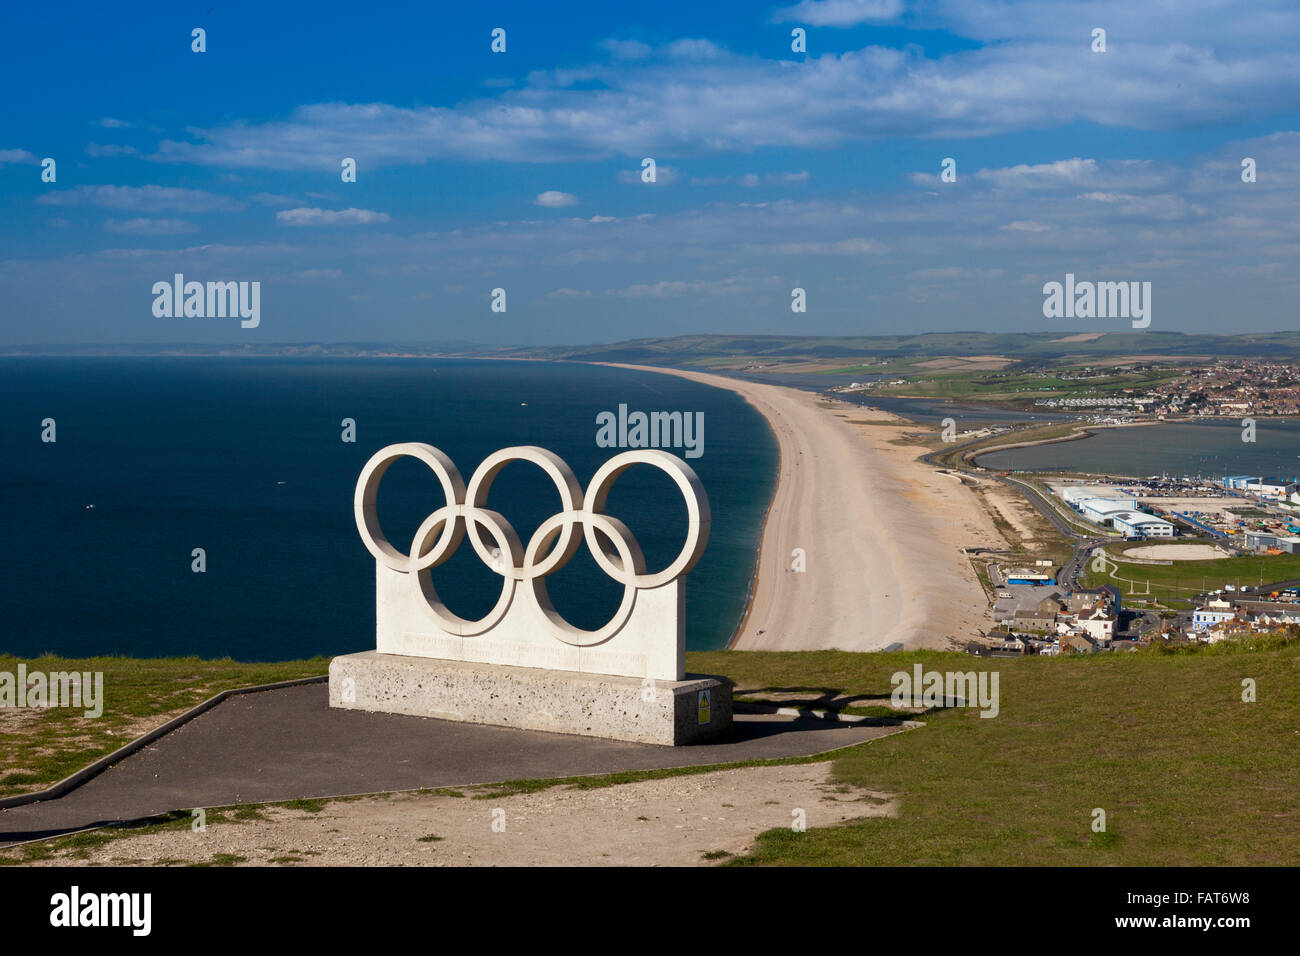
{"x":664,"y":176}
{"x":273,"y":199}
{"x":1212,"y":23}
{"x":694,"y":97}
{"x":841,"y":13}
{"x":16,"y":156}
{"x":1190,"y":225}
{"x":142,"y":198}
{"x":627,"y":49}
{"x":841,"y":247}
{"x":694,"y":49}
{"x":672,"y":288}
{"x":109,"y":123}
{"x":110,"y":150}
{"x":150,"y":227}
{"x":304,"y":216}
{"x":952,"y":272}
{"x":857,"y":247}
{"x":1073,"y":171}
{"x":250,"y":253}
{"x":751,"y":180}
{"x":1157,"y":207}
{"x":553,"y":199}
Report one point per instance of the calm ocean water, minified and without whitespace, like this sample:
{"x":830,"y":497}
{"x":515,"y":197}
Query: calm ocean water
{"x":1209,"y":449}
{"x":243,"y":458}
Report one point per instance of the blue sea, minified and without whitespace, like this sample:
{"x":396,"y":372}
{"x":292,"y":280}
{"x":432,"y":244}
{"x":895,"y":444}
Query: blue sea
{"x":243,"y":457}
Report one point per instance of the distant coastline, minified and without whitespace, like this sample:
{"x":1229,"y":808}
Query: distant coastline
{"x":767,"y":510}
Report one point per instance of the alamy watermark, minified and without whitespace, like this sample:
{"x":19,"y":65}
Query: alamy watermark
{"x":1098,"y":300}
{"x":74,"y":908}
{"x":212,"y":300}
{"x":76,"y":689}
{"x":924,"y":688}
{"x":652,"y":430}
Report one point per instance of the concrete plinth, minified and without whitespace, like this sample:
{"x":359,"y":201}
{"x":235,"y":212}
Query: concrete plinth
{"x":593,"y":705}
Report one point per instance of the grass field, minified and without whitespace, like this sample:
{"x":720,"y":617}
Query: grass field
{"x":1176,"y":583}
{"x":898,"y":366}
{"x":1186,"y":771}
{"x":1023,"y":386}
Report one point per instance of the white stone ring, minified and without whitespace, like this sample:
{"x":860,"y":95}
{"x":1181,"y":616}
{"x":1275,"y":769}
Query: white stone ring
{"x":555,"y":542}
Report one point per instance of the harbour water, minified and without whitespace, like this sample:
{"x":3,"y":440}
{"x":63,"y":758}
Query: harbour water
{"x":244,"y":458}
{"x":1178,"y":449}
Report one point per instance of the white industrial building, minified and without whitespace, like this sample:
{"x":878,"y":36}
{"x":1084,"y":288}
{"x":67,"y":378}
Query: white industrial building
{"x":1136,"y":523}
{"x":1262,"y":541}
{"x":1271,"y":487}
{"x":1073,"y":494}
{"x":1102,"y":510}
{"x":1100,"y":498}
{"x":1264,"y":487}
{"x":1098,"y":503}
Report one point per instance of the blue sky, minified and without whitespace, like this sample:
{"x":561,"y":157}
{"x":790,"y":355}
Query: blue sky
{"x":520,"y":170}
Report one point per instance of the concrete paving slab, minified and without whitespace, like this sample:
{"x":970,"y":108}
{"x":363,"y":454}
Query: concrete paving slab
{"x":288,"y":744}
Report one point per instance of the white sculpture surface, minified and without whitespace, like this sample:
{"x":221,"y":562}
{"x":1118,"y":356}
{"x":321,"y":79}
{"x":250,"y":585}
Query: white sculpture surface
{"x":645,"y":637}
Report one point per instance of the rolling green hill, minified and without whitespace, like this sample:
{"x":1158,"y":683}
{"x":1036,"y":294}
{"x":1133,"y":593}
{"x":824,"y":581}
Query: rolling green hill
{"x":706,"y":349}
{"x":730,"y":349}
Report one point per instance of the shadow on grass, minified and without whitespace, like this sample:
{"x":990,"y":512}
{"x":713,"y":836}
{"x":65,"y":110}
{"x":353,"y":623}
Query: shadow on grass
{"x":832,"y":699}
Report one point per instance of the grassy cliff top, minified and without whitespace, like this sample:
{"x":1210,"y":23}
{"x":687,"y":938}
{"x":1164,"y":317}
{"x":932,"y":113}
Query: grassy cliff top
{"x":1187,"y":772}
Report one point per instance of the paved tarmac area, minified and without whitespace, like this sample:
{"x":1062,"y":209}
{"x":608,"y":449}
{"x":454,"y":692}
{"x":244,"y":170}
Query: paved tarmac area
{"x":288,"y":744}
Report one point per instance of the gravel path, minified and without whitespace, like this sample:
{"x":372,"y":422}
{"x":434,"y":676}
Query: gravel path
{"x":672,"y":821}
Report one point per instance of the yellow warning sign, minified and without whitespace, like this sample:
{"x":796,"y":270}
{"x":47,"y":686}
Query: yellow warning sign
{"x":705,"y":707}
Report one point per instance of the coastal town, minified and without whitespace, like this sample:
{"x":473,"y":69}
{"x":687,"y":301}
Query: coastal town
{"x":1221,"y":390}
{"x":1137,"y":391}
{"x":1144,"y":533}
{"x":1099,"y":559}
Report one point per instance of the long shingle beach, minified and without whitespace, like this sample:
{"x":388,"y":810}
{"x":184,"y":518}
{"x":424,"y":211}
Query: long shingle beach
{"x":882,"y":534}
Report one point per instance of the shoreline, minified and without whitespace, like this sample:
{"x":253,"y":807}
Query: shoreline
{"x":752,"y":585}
{"x":892,"y":576}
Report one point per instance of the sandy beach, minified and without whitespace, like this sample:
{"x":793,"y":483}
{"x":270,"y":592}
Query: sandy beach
{"x":882,"y":534}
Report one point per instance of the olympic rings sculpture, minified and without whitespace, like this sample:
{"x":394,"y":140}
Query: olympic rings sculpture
{"x":554,"y":543}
